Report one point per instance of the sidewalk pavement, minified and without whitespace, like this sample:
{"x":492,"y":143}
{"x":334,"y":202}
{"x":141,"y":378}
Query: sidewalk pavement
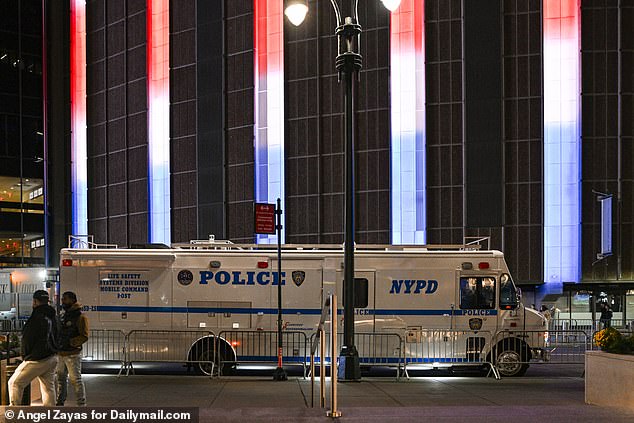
{"x":433,"y":399}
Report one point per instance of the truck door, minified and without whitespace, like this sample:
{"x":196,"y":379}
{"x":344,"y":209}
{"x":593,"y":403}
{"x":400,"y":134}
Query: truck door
{"x":476,"y":302}
{"x":476,"y":313}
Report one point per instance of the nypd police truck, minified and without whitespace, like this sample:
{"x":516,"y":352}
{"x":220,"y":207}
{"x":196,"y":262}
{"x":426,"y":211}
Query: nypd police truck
{"x":411,"y":291}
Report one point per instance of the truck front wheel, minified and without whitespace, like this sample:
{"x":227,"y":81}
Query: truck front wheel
{"x":511,"y":361}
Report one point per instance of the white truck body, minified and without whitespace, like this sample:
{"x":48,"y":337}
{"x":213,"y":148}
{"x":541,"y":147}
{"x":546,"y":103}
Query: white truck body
{"x":235,"y":288}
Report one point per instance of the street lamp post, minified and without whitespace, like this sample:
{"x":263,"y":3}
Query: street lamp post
{"x":348,"y":63}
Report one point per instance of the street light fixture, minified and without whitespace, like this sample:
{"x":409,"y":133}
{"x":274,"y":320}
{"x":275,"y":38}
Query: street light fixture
{"x":296,"y":11}
{"x":348,"y":63}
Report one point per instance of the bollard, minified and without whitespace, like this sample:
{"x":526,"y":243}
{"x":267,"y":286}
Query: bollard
{"x":312,"y":379}
{"x":333,"y":359}
{"x":322,"y":370}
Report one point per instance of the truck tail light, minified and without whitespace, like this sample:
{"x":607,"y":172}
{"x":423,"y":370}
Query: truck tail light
{"x":67,"y":262}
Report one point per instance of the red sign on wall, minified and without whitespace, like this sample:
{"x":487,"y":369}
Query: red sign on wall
{"x":264,"y":218}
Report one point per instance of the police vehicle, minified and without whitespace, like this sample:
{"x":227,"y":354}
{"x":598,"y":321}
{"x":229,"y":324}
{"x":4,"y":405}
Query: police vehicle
{"x":218,"y":286}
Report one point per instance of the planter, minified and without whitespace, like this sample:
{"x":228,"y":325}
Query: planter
{"x":610,"y":379}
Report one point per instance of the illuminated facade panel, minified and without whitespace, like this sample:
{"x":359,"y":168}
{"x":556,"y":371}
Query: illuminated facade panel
{"x":407,"y":61}
{"x":562,"y":145}
{"x":79,"y":178}
{"x":158,"y":120}
{"x":269,"y":105}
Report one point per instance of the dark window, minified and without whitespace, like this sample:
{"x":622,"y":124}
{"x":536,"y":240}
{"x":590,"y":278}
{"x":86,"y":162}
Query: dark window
{"x":360,"y":293}
{"x":477,"y":293}
{"x":508,"y":293}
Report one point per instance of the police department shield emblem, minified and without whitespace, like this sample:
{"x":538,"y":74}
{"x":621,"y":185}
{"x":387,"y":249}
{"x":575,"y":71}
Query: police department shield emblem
{"x":298,"y":277}
{"x":185,"y":277}
{"x":475,"y":324}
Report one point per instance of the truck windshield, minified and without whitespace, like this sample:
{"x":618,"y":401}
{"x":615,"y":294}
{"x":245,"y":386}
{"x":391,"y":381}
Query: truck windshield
{"x":508,"y":293}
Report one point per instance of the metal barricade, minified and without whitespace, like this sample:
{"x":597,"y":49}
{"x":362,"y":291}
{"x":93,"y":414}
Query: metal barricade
{"x":12,"y":325}
{"x":563,"y":324}
{"x":384,"y":349}
{"x":172,"y":346}
{"x":437,"y":348}
{"x":513,"y":350}
{"x":105,"y":345}
{"x":261,"y":346}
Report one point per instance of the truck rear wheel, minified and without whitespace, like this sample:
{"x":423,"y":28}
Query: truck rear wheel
{"x":202,"y":355}
{"x":206,"y":362}
{"x":512,"y":359}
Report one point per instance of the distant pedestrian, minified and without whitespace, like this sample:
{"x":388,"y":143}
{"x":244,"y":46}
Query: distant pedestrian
{"x":74,"y":332}
{"x":546,"y":312}
{"x":39,"y":345}
{"x":606,"y":316}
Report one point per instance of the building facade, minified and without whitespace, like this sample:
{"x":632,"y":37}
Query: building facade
{"x":505,"y":119}
{"x":22,"y":153}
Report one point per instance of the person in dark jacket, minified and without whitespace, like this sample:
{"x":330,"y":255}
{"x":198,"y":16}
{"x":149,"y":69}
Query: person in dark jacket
{"x":73,"y":333}
{"x":39,"y":348}
{"x":606,"y":316}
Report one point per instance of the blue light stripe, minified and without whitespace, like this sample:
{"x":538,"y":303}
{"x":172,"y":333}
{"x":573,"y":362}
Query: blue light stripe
{"x":271,"y":358}
{"x":362,"y":360}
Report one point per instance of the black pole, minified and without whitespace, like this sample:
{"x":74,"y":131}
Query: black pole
{"x":280,"y":373}
{"x":348,"y":63}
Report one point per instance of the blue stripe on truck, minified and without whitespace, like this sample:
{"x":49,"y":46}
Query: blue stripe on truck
{"x":313,"y":311}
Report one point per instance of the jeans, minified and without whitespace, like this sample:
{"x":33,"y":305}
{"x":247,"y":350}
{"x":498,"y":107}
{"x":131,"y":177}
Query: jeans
{"x":70,"y":365}
{"x":43,"y":370}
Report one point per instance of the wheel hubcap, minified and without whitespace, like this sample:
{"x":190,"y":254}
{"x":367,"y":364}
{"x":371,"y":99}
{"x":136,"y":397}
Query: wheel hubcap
{"x":509,"y":362}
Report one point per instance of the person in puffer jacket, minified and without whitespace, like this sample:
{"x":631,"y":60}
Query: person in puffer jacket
{"x":73,"y":333}
{"x":39,"y":348}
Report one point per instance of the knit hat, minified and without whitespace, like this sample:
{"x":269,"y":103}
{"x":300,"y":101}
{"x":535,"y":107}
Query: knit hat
{"x":40,"y":295}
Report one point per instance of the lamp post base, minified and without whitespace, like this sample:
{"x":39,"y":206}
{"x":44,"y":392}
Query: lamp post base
{"x":349,"y":369}
{"x":280,"y":374}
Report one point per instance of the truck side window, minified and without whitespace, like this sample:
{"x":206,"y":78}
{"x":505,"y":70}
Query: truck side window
{"x":508,"y":293}
{"x":477,"y":293}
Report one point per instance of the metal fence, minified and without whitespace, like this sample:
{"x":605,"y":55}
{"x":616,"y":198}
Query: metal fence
{"x":106,"y":345}
{"x":554,"y":347}
{"x":260,"y":346}
{"x":501,"y":351}
{"x":447,"y":347}
{"x":11,"y":325}
{"x":586,"y":325}
{"x":171,"y":346}
{"x":375,"y":349}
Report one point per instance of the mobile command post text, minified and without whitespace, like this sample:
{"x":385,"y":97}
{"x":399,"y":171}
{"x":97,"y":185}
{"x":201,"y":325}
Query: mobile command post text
{"x":100,"y":414}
